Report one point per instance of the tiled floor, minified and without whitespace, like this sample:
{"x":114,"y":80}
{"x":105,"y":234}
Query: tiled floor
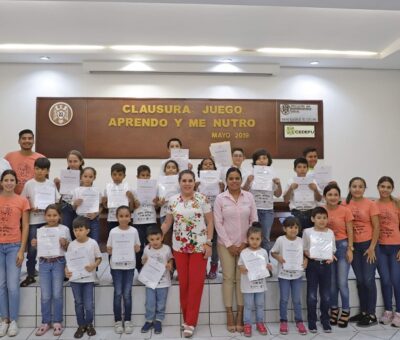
{"x":219,"y":332}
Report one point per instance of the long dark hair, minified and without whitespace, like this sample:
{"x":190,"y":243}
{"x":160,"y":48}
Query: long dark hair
{"x":349,"y":196}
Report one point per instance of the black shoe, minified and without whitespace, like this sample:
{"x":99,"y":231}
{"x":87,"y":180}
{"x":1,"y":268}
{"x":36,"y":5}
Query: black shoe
{"x":28,"y":281}
{"x":357,"y":317}
{"x":90,"y":330}
{"x":80,"y":332}
{"x":312,"y":326}
{"x":157,"y":327}
{"x":367,"y":320}
{"x":146,"y":327}
{"x":326,"y":327}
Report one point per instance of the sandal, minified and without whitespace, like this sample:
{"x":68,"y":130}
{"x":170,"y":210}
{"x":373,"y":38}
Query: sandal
{"x":333,"y":320}
{"x":57,"y":329}
{"x":28,"y":281}
{"x":344,"y":319}
{"x":42,"y":329}
{"x":188,"y":332}
{"x":230,"y":320}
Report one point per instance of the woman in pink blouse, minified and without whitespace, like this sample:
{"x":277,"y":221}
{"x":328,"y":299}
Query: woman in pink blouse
{"x":193,"y":228}
{"x":234,"y":211}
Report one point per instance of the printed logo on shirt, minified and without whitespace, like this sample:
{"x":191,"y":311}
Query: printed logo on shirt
{"x":60,"y":114}
{"x":5,"y":215}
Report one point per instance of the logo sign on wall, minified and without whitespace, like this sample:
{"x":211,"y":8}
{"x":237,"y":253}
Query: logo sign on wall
{"x":299,"y":131}
{"x":298,"y":112}
{"x":61,"y":114}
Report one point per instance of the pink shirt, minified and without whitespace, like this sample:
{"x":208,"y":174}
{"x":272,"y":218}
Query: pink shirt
{"x":232,"y":219}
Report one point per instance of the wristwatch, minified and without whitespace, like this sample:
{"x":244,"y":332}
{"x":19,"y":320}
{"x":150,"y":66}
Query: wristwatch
{"x":209,"y":242}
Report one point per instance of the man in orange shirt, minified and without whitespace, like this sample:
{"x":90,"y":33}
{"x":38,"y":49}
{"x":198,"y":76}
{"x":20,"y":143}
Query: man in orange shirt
{"x":22,"y":161}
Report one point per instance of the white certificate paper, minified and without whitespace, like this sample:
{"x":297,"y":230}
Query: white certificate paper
{"x":263,"y":199}
{"x":151,"y":273}
{"x":123,"y":248}
{"x":48,"y":242}
{"x":70,"y":180}
{"x":77,"y":260}
{"x":90,"y":200}
{"x":209,"y":182}
{"x":146,"y":190}
{"x":292,"y":253}
{"x":44,"y":195}
{"x":181,"y":156}
{"x":116,"y":195}
{"x":263,"y":176}
{"x":255,"y":265}
{"x":221,"y":152}
{"x":321,"y":246}
{"x":303,"y":193}
{"x":168,"y":186}
{"x":322,"y":175}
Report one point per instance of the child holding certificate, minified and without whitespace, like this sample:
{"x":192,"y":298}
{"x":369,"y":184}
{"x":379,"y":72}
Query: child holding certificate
{"x":254,"y":265}
{"x":122,"y":244}
{"x":288,"y":251}
{"x":302,"y":193}
{"x":40,"y":192}
{"x":52,"y":242}
{"x":83,"y":257}
{"x":156,"y":295}
{"x":319,"y":247}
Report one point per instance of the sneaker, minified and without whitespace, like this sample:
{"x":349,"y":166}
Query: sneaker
{"x":157,"y":327}
{"x":357,"y":317}
{"x":118,"y":328}
{"x":12,"y":328}
{"x":44,"y":327}
{"x":128,"y":326}
{"x":386,"y":317}
{"x":261,"y":328}
{"x":146,"y":327}
{"x":367,"y":320}
{"x":312,"y":326}
{"x":212,"y":274}
{"x":326,"y":326}
{"x":247,"y":330}
{"x":3,"y":328}
{"x":283,"y":328}
{"x":80,"y":332}
{"x":396,"y":320}
{"x":301,"y":328}
{"x":90,"y":330}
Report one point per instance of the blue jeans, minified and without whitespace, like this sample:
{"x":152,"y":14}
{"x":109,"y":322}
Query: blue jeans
{"x":32,"y":251}
{"x":365,"y":276}
{"x":95,"y":229}
{"x":285,"y":288}
{"x":249,"y":300}
{"x":318,"y":275}
{"x":156,"y":300}
{"x":142,"y":231}
{"x":266,"y":218}
{"x":340,"y":275}
{"x":9,"y":281}
{"x":51,"y":287}
{"x":122,"y":281}
{"x":389,"y":271}
{"x":83,"y":296}
{"x":68,"y":215}
{"x":304,"y":217}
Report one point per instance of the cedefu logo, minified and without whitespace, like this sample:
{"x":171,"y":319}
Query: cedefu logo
{"x":61,"y":114}
{"x":299,"y":131}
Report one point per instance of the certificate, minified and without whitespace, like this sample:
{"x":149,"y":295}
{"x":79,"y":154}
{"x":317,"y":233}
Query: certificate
{"x":263,"y":176}
{"x":168,"y":186}
{"x":181,"y":156}
{"x":116,"y":195}
{"x":151,"y":273}
{"x":77,"y":260}
{"x":303,"y":193}
{"x":264,"y":199}
{"x":255,"y":265}
{"x":90,"y":200}
{"x":321,"y":246}
{"x":322,"y":175}
{"x":292,"y":253}
{"x":146,"y":190}
{"x":70,"y":180}
{"x":209,"y":182}
{"x":123,"y":248}
{"x":48,"y":242}
{"x":221,"y":152}
{"x":44,"y":196}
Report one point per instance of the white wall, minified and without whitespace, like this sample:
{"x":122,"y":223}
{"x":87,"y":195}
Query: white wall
{"x":361,"y":111}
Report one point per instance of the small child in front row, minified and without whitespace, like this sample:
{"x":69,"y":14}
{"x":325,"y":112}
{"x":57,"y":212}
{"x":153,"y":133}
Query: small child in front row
{"x":83,"y":287}
{"x":51,"y":272}
{"x":319,"y":247}
{"x":156,"y":299}
{"x":290,"y":280}
{"x":253,"y":291}
{"x":123,"y":270}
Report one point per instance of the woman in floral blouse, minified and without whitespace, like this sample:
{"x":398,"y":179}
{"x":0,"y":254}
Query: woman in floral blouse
{"x":193,"y":229}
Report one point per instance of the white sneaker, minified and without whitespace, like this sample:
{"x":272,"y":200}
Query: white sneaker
{"x":118,"y":328}
{"x":13,"y":328}
{"x":3,"y":328}
{"x":128,"y":327}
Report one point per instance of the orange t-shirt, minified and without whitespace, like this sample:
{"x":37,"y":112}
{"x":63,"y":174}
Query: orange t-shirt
{"x":363,"y":211}
{"x":23,"y":166}
{"x":389,"y":223}
{"x":11,"y":210}
{"x":337,"y":219}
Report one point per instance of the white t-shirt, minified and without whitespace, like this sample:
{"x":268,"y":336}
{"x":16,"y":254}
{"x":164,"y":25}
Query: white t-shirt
{"x":29,"y":191}
{"x":77,"y":194}
{"x":92,"y":251}
{"x":256,"y":286}
{"x":300,"y":205}
{"x":309,"y":232}
{"x":131,"y":232}
{"x":145,"y":214}
{"x":111,"y":217}
{"x":162,"y":255}
{"x":280,"y":245}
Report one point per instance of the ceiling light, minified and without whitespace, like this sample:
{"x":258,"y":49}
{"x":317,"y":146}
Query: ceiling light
{"x":302,"y":51}
{"x":48,"y":47}
{"x":44,"y":57}
{"x":175,"y":49}
{"x":314,"y":62}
